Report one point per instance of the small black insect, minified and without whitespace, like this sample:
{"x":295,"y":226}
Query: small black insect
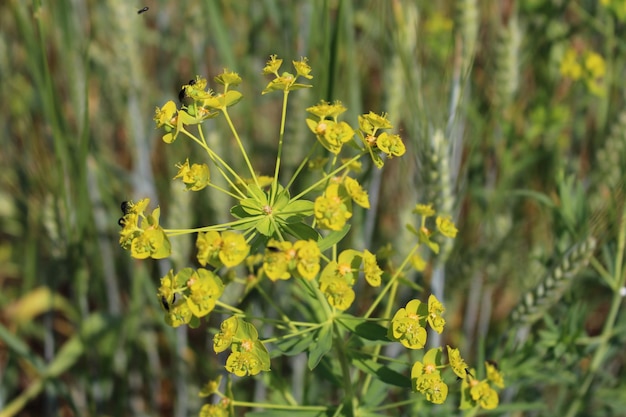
{"x":145,"y":9}
{"x":181,"y":94}
{"x":273,"y":249}
{"x":493,"y":363}
{"x":121,"y":222}
{"x":167,"y":305}
{"x":126,"y":206}
{"x":467,"y":372}
{"x":164,"y":303}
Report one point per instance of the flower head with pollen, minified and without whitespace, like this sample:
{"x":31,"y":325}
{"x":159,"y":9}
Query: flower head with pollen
{"x":407,"y":325}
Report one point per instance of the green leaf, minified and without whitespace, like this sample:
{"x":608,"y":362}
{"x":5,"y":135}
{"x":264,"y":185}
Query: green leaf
{"x":333,"y":238}
{"x":67,"y":356}
{"x":251,"y":206}
{"x":382,"y":372}
{"x":300,"y":207}
{"x":232,"y":98}
{"x":301,"y":231}
{"x":238,"y":212}
{"x":256,"y":193}
{"x":265,"y":227}
{"x":21,"y":349}
{"x":295,"y":345}
{"x":322,"y":345}
{"x":363,"y":328}
{"x":281,"y":201}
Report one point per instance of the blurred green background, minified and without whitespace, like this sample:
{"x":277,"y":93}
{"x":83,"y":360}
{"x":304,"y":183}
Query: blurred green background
{"x":513,"y":117}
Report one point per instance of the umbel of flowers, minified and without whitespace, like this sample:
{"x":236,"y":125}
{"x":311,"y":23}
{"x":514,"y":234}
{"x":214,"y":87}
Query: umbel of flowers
{"x":277,"y":236}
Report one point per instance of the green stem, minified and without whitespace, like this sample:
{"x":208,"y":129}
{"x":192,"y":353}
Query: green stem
{"x":219,"y":162}
{"x":378,"y":348}
{"x":281,"y":137}
{"x":326,"y":177}
{"x":391,"y":282}
{"x":282,"y":314}
{"x":304,"y":162}
{"x":345,"y":369}
{"x":271,"y":406}
{"x":241,"y":148}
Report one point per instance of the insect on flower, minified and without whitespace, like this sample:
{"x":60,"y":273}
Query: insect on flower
{"x":165,"y":304}
{"x":181,"y":94}
{"x":145,"y":9}
{"x":121,"y":222}
{"x":125,"y":206}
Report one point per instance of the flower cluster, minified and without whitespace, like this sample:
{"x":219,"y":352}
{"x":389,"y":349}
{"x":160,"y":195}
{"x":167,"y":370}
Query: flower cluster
{"x":408,"y":325}
{"x":338,"y":277}
{"x":473,"y":391}
{"x":141,"y":233}
{"x":248,"y":354}
{"x":195,"y":177}
{"x":334,"y":208}
{"x":426,"y":377}
{"x":284,"y":259}
{"x":444,"y":226}
{"x":221,"y":249}
{"x":286,"y":81}
{"x":587,"y":66}
{"x":189,"y":295}
{"x":332,"y":134}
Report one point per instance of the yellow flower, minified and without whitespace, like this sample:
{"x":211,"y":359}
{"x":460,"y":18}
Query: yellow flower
{"x":371,"y":269}
{"x":204,"y":290}
{"x":325,"y":110}
{"x":486,"y":396}
{"x":276,"y":261}
{"x":208,"y":245}
{"x":228,"y":78}
{"x":308,"y":258}
{"x":570,"y":67}
{"x":331,"y":134}
{"x":234,"y":249}
{"x":425,"y":210}
{"x":358,"y":194}
{"x":392,"y":145}
{"x":446,"y":226}
{"x":330,"y":210}
{"x":457,"y":363}
{"x":213,"y":410}
{"x":426,"y":377}
{"x":178,"y":314}
{"x":211,"y":387}
{"x":338,"y":293}
{"x":165,"y":116}
{"x":167,"y":290}
{"x":418,"y":262}
{"x":371,"y":122}
{"x":272,"y":66}
{"x":493,"y":374}
{"x":224,"y":338}
{"x":407,"y":326}
{"x":243,"y":364}
{"x":302,"y":68}
{"x":195,"y":177}
{"x":435,"y":310}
